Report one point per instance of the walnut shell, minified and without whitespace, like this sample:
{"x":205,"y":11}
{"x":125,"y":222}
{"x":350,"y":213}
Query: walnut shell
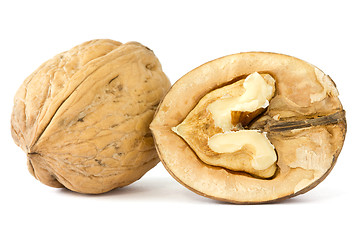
{"x":83,"y":116}
{"x":304,"y":121}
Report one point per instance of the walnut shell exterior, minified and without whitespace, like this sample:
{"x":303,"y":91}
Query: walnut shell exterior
{"x":83,"y":116}
{"x":304,"y":121}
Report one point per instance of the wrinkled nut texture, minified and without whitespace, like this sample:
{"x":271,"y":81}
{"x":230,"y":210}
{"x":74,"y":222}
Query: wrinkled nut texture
{"x":83,"y":116}
{"x":260,"y":150}
{"x":226,"y":109}
{"x":254,"y":127}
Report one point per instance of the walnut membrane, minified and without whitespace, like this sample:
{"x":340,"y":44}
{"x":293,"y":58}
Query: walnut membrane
{"x":253,"y":128}
{"x":82,"y":117}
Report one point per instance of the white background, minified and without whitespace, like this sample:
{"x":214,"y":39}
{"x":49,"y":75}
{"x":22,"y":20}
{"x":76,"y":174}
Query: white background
{"x":183,"y":35}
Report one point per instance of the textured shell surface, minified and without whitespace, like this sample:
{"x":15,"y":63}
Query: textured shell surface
{"x":83,"y":116}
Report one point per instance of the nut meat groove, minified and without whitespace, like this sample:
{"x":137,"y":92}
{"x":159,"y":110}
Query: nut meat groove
{"x":215,"y":129}
{"x":254,"y":127}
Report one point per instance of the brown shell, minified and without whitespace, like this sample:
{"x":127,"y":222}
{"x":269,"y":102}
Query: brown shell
{"x":83,"y":116}
{"x":305,"y":122}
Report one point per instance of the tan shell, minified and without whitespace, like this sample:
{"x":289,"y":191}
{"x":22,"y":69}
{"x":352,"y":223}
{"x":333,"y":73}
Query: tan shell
{"x":307,"y":150}
{"x":83,"y":116}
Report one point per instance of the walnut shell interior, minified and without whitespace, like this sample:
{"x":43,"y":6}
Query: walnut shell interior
{"x":83,"y":116}
{"x":304,"y":121}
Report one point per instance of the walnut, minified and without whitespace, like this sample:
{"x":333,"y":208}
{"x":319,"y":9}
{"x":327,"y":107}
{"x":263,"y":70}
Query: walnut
{"x":250,"y":128}
{"x":83,"y":116}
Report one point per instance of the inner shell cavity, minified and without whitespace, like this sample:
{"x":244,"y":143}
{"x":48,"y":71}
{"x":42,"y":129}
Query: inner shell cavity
{"x":216,"y":128}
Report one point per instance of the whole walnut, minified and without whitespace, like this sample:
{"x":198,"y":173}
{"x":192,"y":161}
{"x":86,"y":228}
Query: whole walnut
{"x":83,"y":116}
